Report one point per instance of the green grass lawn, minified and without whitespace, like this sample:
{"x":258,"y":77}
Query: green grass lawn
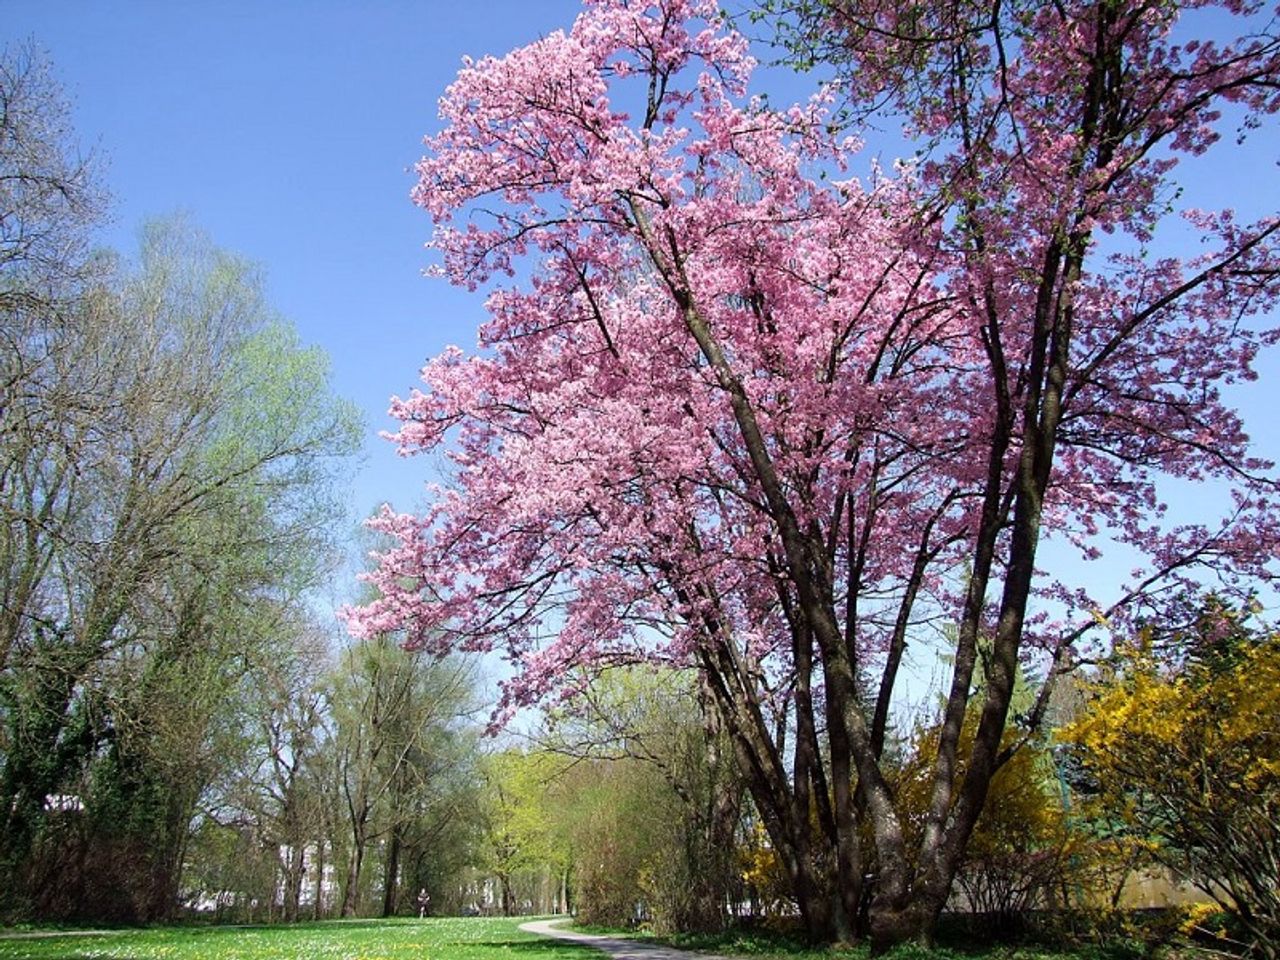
{"x":442,"y":938}
{"x":477,"y":938}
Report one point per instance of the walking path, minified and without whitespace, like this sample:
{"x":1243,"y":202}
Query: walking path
{"x":614,"y":947}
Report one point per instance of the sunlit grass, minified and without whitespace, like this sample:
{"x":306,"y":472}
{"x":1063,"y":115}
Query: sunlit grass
{"x":442,"y":938}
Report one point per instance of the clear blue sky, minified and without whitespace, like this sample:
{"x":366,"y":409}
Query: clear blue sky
{"x":286,"y":129}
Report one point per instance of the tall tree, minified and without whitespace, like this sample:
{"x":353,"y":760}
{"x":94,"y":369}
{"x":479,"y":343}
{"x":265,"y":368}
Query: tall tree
{"x":752,"y":415}
{"x":397,"y":717}
{"x":279,"y":791}
{"x":158,"y":537}
{"x":49,"y":202}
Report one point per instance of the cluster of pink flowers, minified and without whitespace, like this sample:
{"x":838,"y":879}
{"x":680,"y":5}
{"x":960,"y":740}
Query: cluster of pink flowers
{"x":606,"y":506}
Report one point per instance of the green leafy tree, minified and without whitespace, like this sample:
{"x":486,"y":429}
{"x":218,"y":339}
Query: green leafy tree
{"x":401,"y":744}
{"x":162,"y":542}
{"x":524,"y":841}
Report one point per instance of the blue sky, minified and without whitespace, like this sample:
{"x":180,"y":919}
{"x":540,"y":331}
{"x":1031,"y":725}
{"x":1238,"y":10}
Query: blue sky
{"x":286,"y":129}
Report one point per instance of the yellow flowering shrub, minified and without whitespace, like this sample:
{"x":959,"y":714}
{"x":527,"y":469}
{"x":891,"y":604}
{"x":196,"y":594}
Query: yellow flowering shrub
{"x":1185,"y":755}
{"x":764,"y":875}
{"x":1024,"y":853}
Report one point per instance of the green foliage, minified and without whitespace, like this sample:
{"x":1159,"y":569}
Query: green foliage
{"x":622,"y":816}
{"x":525,"y":841}
{"x":654,"y":802}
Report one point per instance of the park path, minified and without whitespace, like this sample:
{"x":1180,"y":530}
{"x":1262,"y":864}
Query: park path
{"x":615,"y":947}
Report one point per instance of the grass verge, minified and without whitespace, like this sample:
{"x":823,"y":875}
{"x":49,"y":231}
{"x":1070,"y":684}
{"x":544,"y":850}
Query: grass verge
{"x":444,"y":938}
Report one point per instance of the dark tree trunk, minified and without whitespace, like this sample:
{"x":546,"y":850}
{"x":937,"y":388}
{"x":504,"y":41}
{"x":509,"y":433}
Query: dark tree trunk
{"x":351,"y":890}
{"x":508,"y":899}
{"x":391,"y":879}
{"x":294,"y":871}
{"x":318,"y":911}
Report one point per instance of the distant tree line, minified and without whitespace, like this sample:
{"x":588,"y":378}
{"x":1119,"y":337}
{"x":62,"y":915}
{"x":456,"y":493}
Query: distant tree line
{"x":174,"y":728}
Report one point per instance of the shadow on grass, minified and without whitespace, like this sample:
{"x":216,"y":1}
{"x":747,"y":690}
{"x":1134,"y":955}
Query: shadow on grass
{"x":539,"y":945}
{"x":956,"y":941}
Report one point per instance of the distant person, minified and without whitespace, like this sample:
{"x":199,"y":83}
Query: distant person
{"x":424,"y":902}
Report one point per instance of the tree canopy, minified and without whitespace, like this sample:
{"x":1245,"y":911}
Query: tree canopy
{"x":738,"y":409}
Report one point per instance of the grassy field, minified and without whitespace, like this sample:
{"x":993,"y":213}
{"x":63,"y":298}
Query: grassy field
{"x":477,"y":938}
{"x":432,"y":939}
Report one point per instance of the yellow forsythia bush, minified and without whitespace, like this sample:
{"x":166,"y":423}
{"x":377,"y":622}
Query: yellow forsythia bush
{"x":1185,"y":755}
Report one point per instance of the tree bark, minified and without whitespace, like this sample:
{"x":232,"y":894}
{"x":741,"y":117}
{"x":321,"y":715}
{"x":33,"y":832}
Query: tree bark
{"x":391,"y":878}
{"x":318,"y":912}
{"x":351,"y":890}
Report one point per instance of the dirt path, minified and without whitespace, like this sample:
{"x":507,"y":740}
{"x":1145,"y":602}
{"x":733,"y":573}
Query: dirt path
{"x":615,"y":947}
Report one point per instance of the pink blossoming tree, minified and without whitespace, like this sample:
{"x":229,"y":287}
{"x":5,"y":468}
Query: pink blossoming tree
{"x":739,"y":411}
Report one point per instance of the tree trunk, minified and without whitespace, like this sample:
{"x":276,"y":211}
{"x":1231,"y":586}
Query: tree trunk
{"x":318,"y":911}
{"x":391,"y":878}
{"x":508,"y":900}
{"x":295,"y":869}
{"x":351,"y":891}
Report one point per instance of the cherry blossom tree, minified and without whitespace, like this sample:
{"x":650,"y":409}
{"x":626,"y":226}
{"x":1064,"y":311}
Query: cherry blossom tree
{"x":738,"y":410}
